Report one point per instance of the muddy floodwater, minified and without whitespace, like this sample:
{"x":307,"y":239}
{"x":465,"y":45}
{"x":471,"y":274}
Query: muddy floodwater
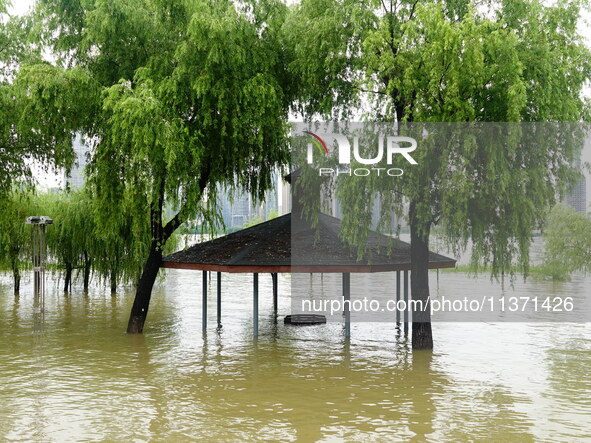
{"x":72,"y":374}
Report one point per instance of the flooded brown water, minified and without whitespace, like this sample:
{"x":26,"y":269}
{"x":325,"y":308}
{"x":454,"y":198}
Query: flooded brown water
{"x":72,"y":374}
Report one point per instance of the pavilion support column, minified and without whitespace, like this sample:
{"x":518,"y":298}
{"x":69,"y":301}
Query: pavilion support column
{"x":274,"y":277}
{"x":347,"y":302}
{"x":255,"y":305}
{"x":397,"y":297}
{"x":219,"y":300}
{"x":204,"y":302}
{"x":406,"y":300}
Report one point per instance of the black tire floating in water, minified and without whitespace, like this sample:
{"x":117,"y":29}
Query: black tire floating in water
{"x":304,"y":319}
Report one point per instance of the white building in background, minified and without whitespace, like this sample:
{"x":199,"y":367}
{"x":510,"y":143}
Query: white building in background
{"x":577,"y":198}
{"x":239,"y":208}
{"x":77,"y":175}
{"x":284,"y":196}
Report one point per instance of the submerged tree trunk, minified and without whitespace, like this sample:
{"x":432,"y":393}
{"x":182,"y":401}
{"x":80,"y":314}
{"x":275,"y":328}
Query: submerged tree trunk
{"x":68,"y":277}
{"x":422,"y":337}
{"x":143,"y":293}
{"x":87,"y":266}
{"x":113,"y":281}
{"x":16,"y":275}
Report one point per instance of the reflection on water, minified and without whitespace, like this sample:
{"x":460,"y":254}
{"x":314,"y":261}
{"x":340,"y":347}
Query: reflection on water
{"x":72,"y":374}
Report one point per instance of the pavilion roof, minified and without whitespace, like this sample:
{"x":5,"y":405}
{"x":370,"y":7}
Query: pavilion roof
{"x":271,"y":247}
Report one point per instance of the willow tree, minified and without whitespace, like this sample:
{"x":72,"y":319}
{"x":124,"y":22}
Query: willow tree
{"x":71,"y":238}
{"x":567,"y":239}
{"x":15,"y":235}
{"x":449,"y":61}
{"x":82,"y":244}
{"x":192,"y":94}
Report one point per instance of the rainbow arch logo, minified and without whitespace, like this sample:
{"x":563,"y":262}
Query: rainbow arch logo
{"x":320,"y":144}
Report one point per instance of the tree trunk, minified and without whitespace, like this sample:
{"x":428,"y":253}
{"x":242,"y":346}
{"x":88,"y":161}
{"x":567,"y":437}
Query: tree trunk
{"x":87,"y":266}
{"x":422,"y":337}
{"x":143,"y":293}
{"x":113,"y":280}
{"x":68,"y":277}
{"x":16,"y":275}
{"x":160,"y":234}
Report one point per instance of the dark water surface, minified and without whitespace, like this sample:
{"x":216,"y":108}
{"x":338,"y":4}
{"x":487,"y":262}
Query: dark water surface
{"x":72,"y":374}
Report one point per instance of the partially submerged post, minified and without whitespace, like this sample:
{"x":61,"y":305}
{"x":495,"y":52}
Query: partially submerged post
{"x":39,"y":252}
{"x":255,"y":305}
{"x":397,"y":298}
{"x":406,"y":309}
{"x":274,"y":277}
{"x":204,"y":302}
{"x":347,"y":300}
{"x":219,"y":300}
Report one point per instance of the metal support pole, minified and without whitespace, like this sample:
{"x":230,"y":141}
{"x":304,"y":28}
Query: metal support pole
{"x":219,"y":288}
{"x":347,"y":300}
{"x":255,"y":305}
{"x":274,"y":277}
{"x":40,"y":266}
{"x":406,"y":300}
{"x":204,"y":302}
{"x":397,"y":296}
{"x":35,"y":261}
{"x":42,"y":251}
{"x":39,"y":251}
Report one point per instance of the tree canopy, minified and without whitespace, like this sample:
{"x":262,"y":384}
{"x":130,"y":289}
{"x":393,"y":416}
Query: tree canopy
{"x":28,"y":85}
{"x":174,"y":96}
{"x":451,"y":61}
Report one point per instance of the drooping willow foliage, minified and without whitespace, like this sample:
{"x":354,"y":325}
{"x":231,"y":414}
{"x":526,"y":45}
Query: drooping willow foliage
{"x":567,"y":238}
{"x":15,"y":236}
{"x":79,"y":245}
{"x":84,"y":245}
{"x":438,"y":61}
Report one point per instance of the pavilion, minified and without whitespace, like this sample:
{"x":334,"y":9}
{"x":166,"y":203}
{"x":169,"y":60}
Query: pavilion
{"x":267,"y":248}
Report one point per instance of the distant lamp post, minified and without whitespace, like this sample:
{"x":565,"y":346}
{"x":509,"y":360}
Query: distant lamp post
{"x":39,"y":252}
